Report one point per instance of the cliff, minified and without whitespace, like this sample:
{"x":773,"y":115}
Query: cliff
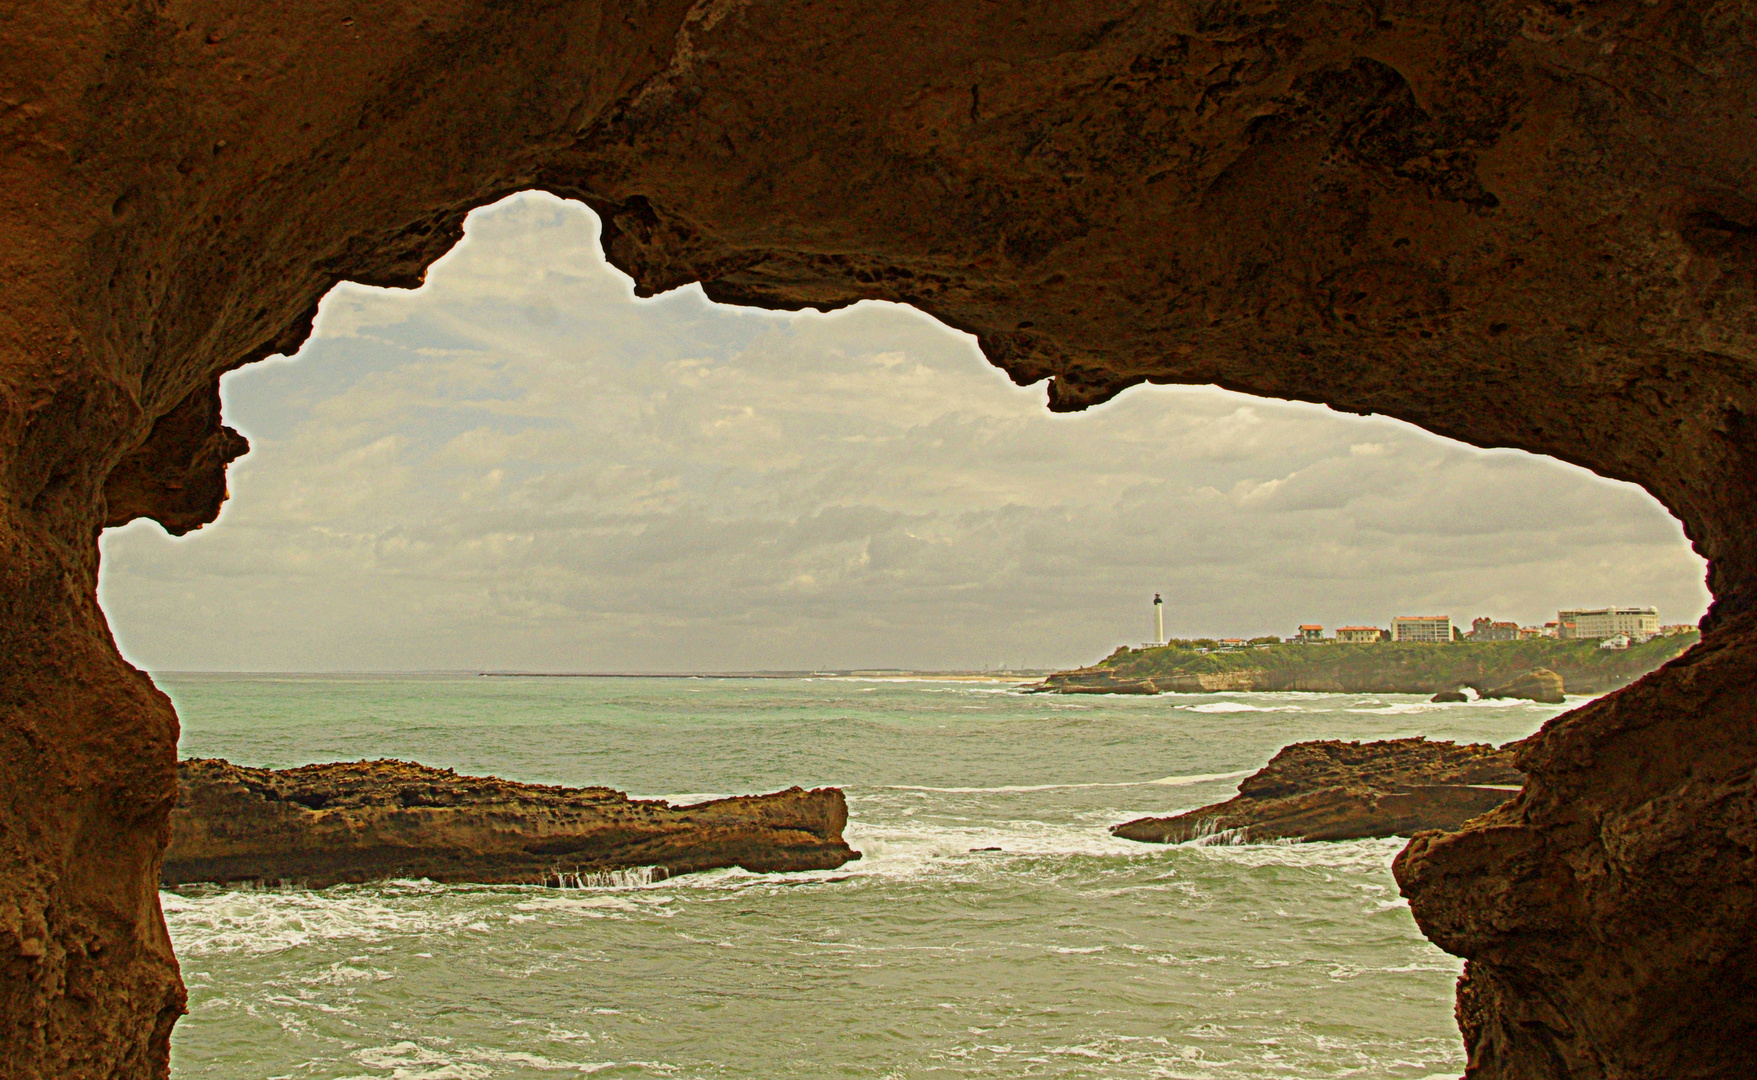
{"x":1500,"y":668}
{"x":1347,"y":791}
{"x":1515,"y":224}
{"x":356,"y":821}
{"x":1606,"y":911}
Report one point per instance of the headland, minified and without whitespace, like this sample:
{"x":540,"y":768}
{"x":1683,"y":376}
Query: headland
{"x":1384,"y":667}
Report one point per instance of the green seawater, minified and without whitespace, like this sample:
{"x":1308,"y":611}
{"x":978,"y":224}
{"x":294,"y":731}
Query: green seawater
{"x":1066,"y":953}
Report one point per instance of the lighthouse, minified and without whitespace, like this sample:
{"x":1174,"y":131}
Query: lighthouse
{"x":1158,"y":620}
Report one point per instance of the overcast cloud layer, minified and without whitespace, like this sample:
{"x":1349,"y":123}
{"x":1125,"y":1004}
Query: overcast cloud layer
{"x":520,"y":466}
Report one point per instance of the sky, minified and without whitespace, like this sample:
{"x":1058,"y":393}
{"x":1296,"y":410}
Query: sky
{"x":521,"y":466}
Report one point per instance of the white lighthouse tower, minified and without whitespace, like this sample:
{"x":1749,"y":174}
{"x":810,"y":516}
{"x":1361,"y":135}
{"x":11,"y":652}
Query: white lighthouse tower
{"x":1158,"y":620}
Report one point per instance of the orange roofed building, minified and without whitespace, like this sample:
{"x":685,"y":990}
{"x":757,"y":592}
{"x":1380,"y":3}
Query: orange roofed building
{"x":1359,"y":634}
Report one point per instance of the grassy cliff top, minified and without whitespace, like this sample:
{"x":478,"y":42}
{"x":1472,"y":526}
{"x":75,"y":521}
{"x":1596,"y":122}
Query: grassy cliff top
{"x":1581,"y":664}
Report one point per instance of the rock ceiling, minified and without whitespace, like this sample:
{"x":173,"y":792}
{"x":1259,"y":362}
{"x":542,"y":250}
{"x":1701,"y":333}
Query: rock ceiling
{"x":1529,"y":225}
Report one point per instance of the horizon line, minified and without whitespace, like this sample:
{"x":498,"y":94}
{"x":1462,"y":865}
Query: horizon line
{"x":516,"y":673}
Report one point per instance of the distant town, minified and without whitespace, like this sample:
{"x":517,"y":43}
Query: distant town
{"x":1611,"y":627}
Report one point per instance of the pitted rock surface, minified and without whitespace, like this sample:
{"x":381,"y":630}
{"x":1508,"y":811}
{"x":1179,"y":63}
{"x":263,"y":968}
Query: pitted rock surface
{"x":1516,"y":224}
{"x":1333,"y":790}
{"x":363,"y":820}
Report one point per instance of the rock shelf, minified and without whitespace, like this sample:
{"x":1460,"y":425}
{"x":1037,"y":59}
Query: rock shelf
{"x":1331,"y":790}
{"x":362,"y":820}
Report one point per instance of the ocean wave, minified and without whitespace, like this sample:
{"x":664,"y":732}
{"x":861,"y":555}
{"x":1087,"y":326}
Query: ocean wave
{"x":1163,"y":781}
{"x":1349,"y":855}
{"x":918,"y":849}
{"x":259,"y":921}
{"x":690,"y":798}
{"x":977,"y":684}
{"x":604,"y":902}
{"x":410,"y":1061}
{"x":1410,"y":707}
{"x":1236,"y":706}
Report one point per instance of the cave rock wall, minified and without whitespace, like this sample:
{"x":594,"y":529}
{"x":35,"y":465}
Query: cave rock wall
{"x":1516,"y":224}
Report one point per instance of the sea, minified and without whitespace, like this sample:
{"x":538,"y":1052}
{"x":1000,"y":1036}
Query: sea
{"x":991,"y":928}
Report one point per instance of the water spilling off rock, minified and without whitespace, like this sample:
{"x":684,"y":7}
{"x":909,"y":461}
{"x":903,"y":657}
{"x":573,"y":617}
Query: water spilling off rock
{"x":1330,"y":790}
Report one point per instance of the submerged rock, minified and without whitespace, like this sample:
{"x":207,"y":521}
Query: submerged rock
{"x":1450,"y":696}
{"x":361,"y":820}
{"x":1111,"y":686}
{"x":1333,"y":790}
{"x":1538,"y":684}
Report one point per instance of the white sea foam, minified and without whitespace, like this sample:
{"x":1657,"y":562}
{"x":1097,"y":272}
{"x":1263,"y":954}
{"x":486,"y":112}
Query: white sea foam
{"x":407,"y":1061}
{"x":594,"y":905}
{"x":264,"y":921}
{"x":1361,"y":856}
{"x":690,"y":798}
{"x":1402,"y":709}
{"x":914,"y":850}
{"x":744,"y":975}
{"x":1200,"y":778}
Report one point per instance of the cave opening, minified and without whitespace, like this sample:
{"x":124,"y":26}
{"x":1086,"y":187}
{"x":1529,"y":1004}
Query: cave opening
{"x":447,"y":457}
{"x":525,"y":424}
{"x":1514,"y":225}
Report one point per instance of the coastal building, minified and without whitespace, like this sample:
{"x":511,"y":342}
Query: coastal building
{"x":1486,"y":629}
{"x":1530,"y":633}
{"x":1639,"y":623}
{"x":1674,"y":629}
{"x":1359,"y":634}
{"x":1309,"y":632}
{"x":1428,"y":628}
{"x":1233,"y":642}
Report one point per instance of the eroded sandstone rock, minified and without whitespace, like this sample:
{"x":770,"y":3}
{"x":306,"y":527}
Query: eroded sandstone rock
{"x":1514,"y":224}
{"x":1607,"y":911}
{"x":361,"y":820}
{"x":1538,"y":684}
{"x":1330,"y":790}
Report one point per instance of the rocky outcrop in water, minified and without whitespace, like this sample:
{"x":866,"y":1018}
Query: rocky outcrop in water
{"x":1538,"y":684}
{"x":1108,"y":681}
{"x":362,"y":820}
{"x":1333,"y":790}
{"x":1523,"y":225}
{"x":1606,"y":911}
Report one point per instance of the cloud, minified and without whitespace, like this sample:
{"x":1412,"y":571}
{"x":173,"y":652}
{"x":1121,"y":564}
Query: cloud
{"x":522,"y":465}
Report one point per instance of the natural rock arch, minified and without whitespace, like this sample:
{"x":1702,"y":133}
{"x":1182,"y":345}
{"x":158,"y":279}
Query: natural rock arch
{"x":1527,"y":225}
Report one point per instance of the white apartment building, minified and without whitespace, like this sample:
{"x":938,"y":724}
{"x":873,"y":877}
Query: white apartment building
{"x":1429,"y":628}
{"x":1639,"y":623}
